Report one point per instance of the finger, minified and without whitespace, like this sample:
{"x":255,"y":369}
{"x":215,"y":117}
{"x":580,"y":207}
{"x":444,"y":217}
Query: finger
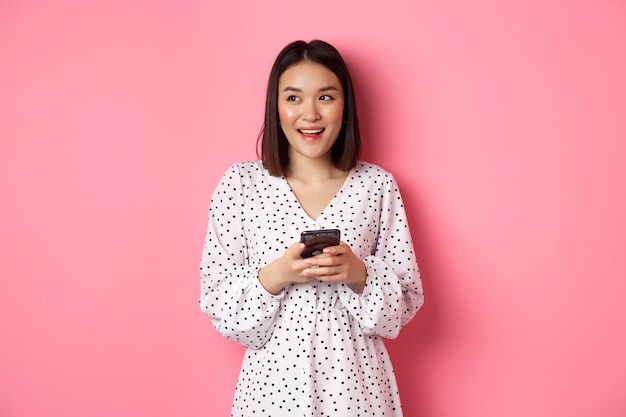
{"x":296,"y":249}
{"x":323,"y":272}
{"x":333,"y":251}
{"x":325,"y":259}
{"x":315,"y":270}
{"x":331,"y":278}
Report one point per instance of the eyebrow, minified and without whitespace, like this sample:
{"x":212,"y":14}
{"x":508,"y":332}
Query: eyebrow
{"x":323,"y":89}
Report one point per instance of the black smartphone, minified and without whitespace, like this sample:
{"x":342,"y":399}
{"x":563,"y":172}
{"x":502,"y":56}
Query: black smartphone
{"x":317,"y":240}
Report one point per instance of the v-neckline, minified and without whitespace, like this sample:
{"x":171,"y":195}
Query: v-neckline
{"x":330,"y":202}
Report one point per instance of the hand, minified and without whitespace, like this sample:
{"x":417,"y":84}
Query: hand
{"x":338,"y":264}
{"x":284,"y":270}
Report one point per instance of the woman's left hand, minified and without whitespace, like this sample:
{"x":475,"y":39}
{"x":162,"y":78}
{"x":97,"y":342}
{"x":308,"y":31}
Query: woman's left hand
{"x":338,"y":264}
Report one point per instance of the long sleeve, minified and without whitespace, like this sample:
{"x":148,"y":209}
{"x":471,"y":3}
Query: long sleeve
{"x":231,"y":295}
{"x":393,"y":293}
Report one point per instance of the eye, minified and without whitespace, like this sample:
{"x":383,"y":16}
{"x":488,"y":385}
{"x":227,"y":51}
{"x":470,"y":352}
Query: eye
{"x":326,"y":97}
{"x":293,"y":99}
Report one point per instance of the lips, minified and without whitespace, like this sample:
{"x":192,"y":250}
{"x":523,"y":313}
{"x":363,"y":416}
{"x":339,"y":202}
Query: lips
{"x":311,"y":131}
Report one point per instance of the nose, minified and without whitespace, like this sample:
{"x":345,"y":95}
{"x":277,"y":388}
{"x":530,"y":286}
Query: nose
{"x":309,"y":111}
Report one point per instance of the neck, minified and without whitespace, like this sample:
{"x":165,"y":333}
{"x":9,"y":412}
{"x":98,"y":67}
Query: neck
{"x":306,"y":169}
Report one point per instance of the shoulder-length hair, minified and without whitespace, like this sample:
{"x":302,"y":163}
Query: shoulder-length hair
{"x":274,"y":146}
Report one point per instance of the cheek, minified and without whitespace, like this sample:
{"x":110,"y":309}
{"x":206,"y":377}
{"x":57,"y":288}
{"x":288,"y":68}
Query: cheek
{"x":285,"y":115}
{"x":336,"y":111}
{"x":335,"y":114}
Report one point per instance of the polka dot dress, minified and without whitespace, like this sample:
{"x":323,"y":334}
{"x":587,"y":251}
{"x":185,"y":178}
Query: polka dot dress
{"x":316,"y":348}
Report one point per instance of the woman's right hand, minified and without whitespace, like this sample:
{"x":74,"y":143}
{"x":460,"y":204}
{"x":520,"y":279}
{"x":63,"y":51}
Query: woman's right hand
{"x":284,"y":270}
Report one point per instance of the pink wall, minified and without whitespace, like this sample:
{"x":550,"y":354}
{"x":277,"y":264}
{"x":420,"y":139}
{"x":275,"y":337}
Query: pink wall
{"x":504,"y":122}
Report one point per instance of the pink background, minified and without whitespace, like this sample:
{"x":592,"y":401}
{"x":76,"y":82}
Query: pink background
{"x":504,"y":123}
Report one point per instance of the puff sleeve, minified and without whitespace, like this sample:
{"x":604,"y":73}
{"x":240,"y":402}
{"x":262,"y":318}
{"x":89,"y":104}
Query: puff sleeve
{"x":239,"y":307}
{"x":393,"y":292}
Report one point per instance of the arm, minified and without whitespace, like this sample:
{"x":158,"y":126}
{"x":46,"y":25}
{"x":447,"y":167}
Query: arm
{"x":239,"y":307}
{"x":393,"y":290}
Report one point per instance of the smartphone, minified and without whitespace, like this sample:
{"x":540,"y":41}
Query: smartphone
{"x":317,"y":240}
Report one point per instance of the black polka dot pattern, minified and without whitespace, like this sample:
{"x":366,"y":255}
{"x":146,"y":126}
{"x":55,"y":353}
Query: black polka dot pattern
{"x":315,"y":349}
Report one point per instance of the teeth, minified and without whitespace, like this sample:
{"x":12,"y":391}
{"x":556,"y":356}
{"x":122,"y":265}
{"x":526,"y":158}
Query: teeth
{"x":311,"y":132}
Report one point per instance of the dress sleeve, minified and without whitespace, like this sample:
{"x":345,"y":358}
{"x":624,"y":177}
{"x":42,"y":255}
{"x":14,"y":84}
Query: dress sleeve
{"x":393,"y":292}
{"x":239,"y":307}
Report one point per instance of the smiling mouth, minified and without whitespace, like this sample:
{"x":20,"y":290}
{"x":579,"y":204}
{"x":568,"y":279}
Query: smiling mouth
{"x":310,"y":131}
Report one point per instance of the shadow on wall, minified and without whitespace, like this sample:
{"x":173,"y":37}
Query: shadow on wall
{"x":412,"y":353}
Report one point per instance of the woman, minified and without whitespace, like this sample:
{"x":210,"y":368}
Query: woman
{"x":313,"y":327}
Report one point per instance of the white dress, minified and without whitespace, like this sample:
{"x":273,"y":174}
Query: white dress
{"x":315,"y":349}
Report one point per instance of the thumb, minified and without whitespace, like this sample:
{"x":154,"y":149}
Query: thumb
{"x":296,"y":249}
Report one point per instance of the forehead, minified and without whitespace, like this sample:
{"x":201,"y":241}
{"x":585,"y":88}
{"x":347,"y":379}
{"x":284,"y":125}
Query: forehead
{"x":308,"y":75}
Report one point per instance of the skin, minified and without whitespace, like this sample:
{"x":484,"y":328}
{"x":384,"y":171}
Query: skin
{"x":310,"y":108}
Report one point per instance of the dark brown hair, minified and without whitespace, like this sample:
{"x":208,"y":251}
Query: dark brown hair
{"x":274,"y":146}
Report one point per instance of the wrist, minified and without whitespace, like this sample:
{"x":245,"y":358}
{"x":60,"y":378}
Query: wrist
{"x":266,"y":281}
{"x":359,"y":285}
